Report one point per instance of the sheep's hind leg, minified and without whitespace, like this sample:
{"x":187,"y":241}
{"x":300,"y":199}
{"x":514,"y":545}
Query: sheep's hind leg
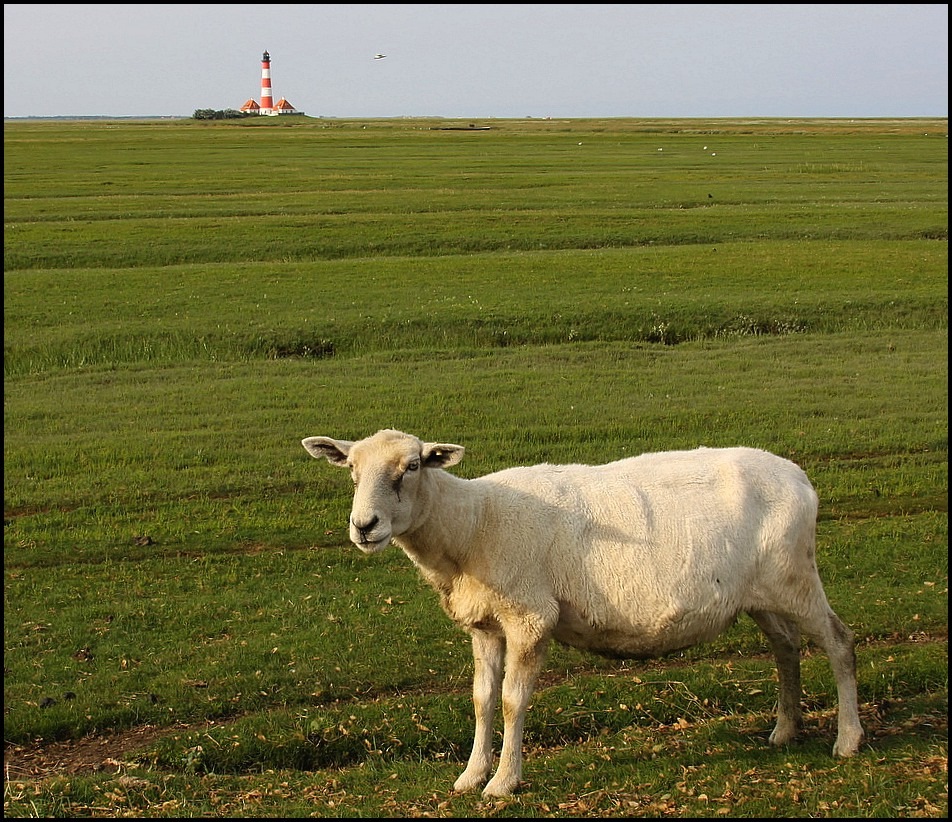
{"x":488,"y":650}
{"x":838,"y":642}
{"x":784,"y":639}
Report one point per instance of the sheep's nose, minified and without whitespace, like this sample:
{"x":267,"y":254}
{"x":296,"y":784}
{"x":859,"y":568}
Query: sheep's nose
{"x":364,"y":528}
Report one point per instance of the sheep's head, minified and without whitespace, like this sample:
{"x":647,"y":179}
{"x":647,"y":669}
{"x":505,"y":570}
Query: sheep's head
{"x":388,"y":470}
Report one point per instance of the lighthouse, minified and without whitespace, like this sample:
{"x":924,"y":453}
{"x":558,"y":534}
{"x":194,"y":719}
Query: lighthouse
{"x":267,"y":101}
{"x":267,"y":105}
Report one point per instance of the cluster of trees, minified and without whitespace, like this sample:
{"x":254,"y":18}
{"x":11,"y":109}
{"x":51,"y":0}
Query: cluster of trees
{"x":221,"y":114}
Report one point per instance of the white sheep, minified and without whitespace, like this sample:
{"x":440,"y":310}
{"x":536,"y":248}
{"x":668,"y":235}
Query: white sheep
{"x":636,"y":558}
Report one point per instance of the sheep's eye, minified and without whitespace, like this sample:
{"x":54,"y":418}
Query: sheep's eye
{"x":414,"y":466}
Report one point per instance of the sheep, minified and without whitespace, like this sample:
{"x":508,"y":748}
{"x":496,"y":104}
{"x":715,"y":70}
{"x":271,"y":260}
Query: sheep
{"x":636,"y":559}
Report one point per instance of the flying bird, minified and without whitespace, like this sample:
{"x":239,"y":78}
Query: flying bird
{"x":379,"y":56}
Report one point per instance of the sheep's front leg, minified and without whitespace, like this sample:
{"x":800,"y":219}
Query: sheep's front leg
{"x":523,"y":661}
{"x":488,"y":650}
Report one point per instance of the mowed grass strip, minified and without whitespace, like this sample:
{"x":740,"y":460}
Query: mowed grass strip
{"x":322,"y":309}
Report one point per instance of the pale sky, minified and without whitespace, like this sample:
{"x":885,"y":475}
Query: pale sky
{"x":480,"y":60}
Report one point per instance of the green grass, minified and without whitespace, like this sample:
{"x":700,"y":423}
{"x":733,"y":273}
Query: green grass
{"x":184,"y":302}
{"x":322,"y":309}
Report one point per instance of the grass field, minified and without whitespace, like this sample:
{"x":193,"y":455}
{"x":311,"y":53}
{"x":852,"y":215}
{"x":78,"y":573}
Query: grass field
{"x":187,"y":631}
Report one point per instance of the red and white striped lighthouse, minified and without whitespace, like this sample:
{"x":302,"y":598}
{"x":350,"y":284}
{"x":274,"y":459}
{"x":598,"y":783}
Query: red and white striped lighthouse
{"x":267,"y":101}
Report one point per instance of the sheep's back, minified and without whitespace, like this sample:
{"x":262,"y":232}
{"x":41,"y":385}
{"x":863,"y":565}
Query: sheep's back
{"x":665,"y":483}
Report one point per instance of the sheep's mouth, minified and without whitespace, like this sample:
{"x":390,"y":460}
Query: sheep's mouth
{"x":372,"y":546}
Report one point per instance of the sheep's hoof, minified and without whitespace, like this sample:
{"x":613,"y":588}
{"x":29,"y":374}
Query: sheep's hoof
{"x":784,"y":733}
{"x":468,"y":782}
{"x":847,"y":745}
{"x":500,"y":787}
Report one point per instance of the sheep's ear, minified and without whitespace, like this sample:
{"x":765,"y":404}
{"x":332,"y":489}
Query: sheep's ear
{"x":334,"y":451}
{"x":441,"y":454}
